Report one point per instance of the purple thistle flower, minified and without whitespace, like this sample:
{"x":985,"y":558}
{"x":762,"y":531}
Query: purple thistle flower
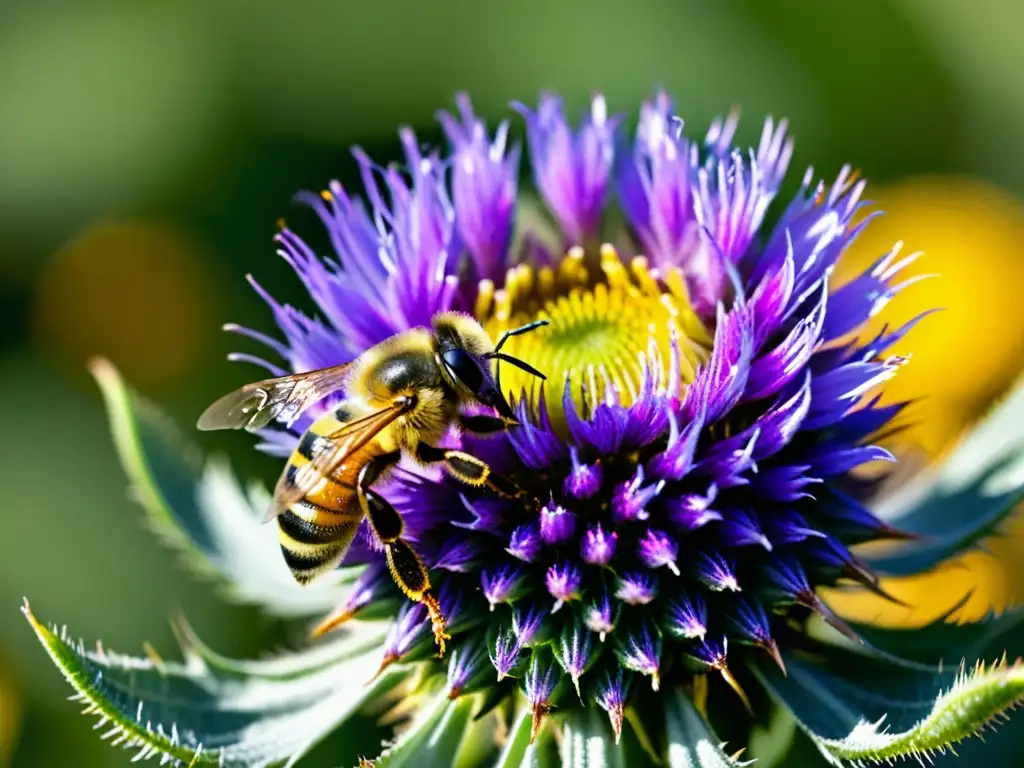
{"x":539,"y":685}
{"x":687,"y":617}
{"x":409,"y":629}
{"x":612,"y":691}
{"x":503,"y":584}
{"x":658,"y":550}
{"x":691,"y":511}
{"x":574,"y":652}
{"x":583,"y":480}
{"x":629,"y":501}
{"x":639,"y":650}
{"x":679,"y":484}
{"x":599,"y":615}
{"x":467,"y":670}
{"x":505,"y":653}
{"x":564,"y":581}
{"x":637,"y":588}
{"x":557,"y":524}
{"x":529,"y":625}
{"x":598,"y":547}
{"x":715,"y":572}
{"x":525,"y":542}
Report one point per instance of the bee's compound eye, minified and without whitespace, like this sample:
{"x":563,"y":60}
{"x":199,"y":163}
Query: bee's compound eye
{"x":464,"y":368}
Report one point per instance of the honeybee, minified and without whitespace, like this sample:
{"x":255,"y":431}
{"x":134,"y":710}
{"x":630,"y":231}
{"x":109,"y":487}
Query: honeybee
{"x":401,"y":396}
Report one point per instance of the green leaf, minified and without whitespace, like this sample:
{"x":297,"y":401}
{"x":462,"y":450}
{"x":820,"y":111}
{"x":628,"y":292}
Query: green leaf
{"x":768,"y":746}
{"x":203,"y":512}
{"x":238,"y":715}
{"x":433,"y":738}
{"x":983,"y":639}
{"x":514,"y":753}
{"x":965,"y":501}
{"x":866,"y":709}
{"x":691,"y":742}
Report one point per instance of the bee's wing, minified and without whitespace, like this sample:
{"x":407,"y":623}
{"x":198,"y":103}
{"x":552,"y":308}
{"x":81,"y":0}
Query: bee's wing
{"x":256,"y":405}
{"x":337,"y":446}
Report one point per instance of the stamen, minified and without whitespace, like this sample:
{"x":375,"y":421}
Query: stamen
{"x":614,"y":326}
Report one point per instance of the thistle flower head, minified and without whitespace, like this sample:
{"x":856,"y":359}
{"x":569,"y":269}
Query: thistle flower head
{"x":682,"y":485}
{"x":696,"y":384}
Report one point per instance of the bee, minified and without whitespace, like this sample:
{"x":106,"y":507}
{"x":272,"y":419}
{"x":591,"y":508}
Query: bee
{"x":401,"y":397}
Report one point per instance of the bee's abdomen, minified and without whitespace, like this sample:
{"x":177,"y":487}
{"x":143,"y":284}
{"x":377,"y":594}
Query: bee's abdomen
{"x":314,"y":539}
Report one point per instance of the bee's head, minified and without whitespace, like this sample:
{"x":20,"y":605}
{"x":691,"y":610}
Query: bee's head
{"x":466,"y":351}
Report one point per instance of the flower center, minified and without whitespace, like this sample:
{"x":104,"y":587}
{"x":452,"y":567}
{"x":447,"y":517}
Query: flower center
{"x":606,"y":324}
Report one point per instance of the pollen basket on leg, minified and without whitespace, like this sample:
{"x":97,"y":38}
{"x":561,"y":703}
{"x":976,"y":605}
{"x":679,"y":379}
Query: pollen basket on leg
{"x":606,"y":324}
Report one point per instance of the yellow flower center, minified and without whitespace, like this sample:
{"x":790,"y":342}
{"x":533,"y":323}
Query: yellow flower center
{"x":607,"y":322}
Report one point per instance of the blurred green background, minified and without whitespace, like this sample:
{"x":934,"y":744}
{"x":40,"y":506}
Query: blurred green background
{"x":147,"y":149}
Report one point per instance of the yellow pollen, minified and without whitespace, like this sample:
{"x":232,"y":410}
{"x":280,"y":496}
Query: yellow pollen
{"x":607,"y":325}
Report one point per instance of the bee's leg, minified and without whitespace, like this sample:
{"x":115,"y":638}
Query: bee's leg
{"x":407,"y":569}
{"x":468,"y":469}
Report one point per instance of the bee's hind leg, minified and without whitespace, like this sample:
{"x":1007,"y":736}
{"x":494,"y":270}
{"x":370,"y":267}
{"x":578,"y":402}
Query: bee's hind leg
{"x":407,"y":569}
{"x":469,"y":470}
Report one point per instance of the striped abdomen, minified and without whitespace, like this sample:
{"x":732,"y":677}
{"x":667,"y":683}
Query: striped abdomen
{"x":316,"y":532}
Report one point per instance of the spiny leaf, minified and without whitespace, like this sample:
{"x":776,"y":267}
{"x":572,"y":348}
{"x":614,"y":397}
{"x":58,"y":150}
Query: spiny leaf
{"x":204,"y":513}
{"x":843,"y":700}
{"x":191,"y":714}
{"x":977,"y":700}
{"x":433,"y":738}
{"x":691,"y":742}
{"x":973,"y":492}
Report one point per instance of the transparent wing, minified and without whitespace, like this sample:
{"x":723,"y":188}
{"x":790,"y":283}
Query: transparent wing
{"x":331,"y":452}
{"x":255,"y":405}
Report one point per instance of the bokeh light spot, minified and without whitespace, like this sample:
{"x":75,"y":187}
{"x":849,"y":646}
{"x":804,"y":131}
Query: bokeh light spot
{"x":132,"y":291}
{"x":101,"y":106}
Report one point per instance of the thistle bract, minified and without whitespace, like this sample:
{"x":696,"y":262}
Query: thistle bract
{"x":687,"y":474}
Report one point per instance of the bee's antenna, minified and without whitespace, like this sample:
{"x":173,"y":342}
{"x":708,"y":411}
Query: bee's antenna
{"x":518,"y":364}
{"x":499,"y":356}
{"x":517,"y":332}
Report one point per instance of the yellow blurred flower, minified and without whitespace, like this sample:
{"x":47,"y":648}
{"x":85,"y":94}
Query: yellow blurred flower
{"x":963,"y":357}
{"x":133,"y":291}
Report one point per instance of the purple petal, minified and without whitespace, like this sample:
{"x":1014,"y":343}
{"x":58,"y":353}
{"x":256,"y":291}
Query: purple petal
{"x":557,"y":524}
{"x":687,"y":617}
{"x":714,"y":572}
{"x":721,"y":381}
{"x":630,"y":499}
{"x":636,"y":587}
{"x":563,"y":582}
{"x":571,"y":169}
{"x":484,"y":180}
{"x":692,"y":511}
{"x":658,"y":550}
{"x":865,"y":296}
{"x":598,"y":546}
{"x":583,"y":480}
{"x":654,"y":184}
{"x":639,"y":650}
{"x":525,"y":543}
